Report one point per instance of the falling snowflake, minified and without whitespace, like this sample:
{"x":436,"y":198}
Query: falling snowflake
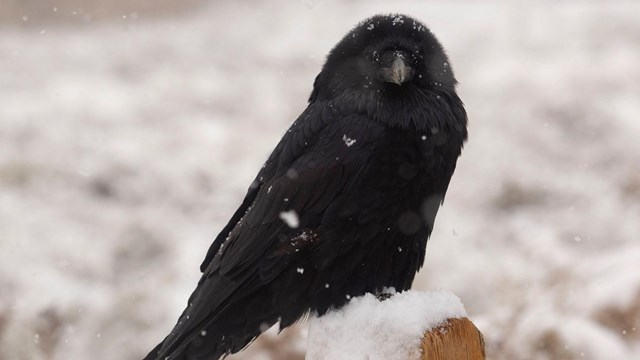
{"x":290,"y":218}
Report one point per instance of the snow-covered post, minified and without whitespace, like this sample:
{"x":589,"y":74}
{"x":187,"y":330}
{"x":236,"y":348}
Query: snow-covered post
{"x":407,"y":326}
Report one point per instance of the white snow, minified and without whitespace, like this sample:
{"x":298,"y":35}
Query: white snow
{"x":398,"y":20}
{"x":392,"y":329}
{"x":348,"y":141}
{"x":290,"y":217}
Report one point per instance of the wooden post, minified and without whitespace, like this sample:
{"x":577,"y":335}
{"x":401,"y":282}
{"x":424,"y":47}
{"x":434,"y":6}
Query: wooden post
{"x":456,"y":339}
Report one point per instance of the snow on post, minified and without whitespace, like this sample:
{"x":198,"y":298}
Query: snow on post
{"x":393,"y":329}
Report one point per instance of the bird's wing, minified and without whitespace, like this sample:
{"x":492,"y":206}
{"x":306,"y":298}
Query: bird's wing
{"x":301,"y":136}
{"x":302,"y":187}
{"x":319,"y":159}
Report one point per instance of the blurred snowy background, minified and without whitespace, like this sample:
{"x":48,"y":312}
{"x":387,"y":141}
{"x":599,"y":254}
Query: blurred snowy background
{"x":130,"y":130}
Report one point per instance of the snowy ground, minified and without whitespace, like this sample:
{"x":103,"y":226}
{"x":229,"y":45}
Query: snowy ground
{"x":126,"y":144}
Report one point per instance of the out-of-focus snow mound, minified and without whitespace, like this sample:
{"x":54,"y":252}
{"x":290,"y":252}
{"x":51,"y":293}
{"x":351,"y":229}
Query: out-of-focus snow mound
{"x":368,"y":328}
{"x":126,"y":145}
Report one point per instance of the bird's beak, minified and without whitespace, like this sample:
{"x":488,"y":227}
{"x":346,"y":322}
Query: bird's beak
{"x":398,"y":73}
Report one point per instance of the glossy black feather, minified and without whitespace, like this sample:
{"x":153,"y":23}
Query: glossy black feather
{"x":365,"y":167}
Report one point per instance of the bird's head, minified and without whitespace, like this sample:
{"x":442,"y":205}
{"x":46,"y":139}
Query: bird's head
{"x":386,"y":54}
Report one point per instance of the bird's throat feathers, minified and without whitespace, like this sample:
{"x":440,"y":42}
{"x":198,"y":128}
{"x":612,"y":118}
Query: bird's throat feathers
{"x":410,"y":109}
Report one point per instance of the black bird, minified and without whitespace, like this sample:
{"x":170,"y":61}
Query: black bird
{"x":347,"y":200}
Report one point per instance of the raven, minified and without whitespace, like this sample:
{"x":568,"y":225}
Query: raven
{"x":345,"y":203}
